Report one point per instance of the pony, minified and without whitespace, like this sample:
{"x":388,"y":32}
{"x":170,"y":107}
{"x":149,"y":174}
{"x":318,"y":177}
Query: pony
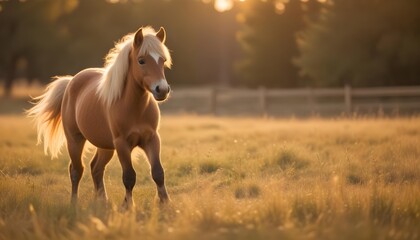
{"x":115,"y":108}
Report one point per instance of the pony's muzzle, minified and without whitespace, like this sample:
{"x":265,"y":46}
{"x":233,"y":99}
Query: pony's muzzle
{"x":161,"y":91}
{"x":158,"y":90}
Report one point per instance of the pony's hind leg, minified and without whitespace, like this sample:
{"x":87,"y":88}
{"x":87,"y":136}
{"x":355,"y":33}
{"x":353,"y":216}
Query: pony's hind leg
{"x":97,"y":166}
{"x":75,"y":147}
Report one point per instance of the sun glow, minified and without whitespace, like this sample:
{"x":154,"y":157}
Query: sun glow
{"x":279,"y":7}
{"x":223,"y":5}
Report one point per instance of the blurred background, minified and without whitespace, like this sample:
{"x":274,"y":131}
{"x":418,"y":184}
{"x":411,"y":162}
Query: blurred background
{"x":231,"y":57}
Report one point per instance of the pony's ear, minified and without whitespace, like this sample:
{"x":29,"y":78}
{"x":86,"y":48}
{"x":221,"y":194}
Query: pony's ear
{"x":161,"y":34}
{"x":138,"y":38}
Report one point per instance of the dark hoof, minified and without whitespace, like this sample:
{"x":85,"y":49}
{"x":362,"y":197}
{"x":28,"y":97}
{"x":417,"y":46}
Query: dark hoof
{"x":101,"y":198}
{"x":127,"y":205}
{"x":164,"y":201}
{"x":73,"y":200}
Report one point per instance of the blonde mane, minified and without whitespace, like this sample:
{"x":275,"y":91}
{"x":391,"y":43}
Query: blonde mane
{"x":116,"y":63}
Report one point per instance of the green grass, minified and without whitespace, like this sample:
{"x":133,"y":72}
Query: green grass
{"x":228,"y":178}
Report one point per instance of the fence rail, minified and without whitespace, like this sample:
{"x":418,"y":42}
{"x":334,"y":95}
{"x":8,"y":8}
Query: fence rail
{"x":297,"y":102}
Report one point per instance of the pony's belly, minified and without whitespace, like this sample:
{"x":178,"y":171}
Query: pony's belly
{"x":97,"y":141}
{"x":92,"y":122}
{"x":96,"y":131}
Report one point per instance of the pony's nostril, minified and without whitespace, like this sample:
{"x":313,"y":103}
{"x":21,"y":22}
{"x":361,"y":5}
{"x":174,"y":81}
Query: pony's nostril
{"x":157,"y":89}
{"x":169,"y":88}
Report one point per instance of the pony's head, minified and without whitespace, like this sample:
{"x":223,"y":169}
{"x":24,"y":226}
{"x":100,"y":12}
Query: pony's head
{"x":142,"y":55}
{"x":149,"y":58}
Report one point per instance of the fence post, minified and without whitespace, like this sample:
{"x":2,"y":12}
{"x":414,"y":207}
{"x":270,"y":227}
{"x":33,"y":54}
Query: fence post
{"x":263,"y":101}
{"x":347,"y":99}
{"x":213,"y":100}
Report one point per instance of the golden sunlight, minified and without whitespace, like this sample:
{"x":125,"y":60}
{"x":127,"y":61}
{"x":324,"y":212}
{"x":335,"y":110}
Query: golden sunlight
{"x":223,"y":5}
{"x":279,"y":7}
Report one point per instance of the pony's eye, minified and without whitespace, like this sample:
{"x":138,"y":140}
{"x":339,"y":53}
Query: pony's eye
{"x":141,"y":61}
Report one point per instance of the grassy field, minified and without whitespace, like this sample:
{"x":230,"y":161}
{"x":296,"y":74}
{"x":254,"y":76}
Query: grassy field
{"x":228,"y":179}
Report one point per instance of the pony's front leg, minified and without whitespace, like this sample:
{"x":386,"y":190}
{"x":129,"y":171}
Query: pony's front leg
{"x":152,"y":150}
{"x":129,"y":175}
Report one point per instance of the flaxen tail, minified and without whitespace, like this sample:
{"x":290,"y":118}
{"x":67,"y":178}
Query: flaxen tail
{"x":47,"y":116}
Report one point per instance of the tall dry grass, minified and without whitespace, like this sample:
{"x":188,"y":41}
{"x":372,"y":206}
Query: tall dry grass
{"x":229,"y":178}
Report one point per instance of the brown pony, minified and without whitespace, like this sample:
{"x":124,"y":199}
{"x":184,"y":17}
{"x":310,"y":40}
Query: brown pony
{"x":114,"y":108}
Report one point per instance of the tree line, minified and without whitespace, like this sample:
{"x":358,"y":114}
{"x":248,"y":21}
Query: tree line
{"x":289,"y":43}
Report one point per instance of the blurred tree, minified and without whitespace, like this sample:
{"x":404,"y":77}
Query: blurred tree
{"x":268,"y":41}
{"x":56,"y":37}
{"x":91,"y":30}
{"x":363,"y":43}
{"x":28,"y":35}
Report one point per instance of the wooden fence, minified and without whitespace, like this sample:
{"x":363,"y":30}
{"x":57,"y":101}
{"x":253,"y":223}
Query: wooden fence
{"x":296,"y":102}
